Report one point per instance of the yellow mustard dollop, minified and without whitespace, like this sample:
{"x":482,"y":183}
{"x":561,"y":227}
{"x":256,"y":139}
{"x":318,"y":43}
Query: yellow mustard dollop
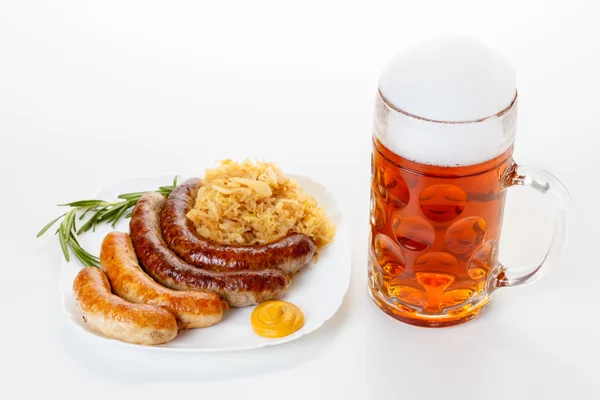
{"x":276,"y":318}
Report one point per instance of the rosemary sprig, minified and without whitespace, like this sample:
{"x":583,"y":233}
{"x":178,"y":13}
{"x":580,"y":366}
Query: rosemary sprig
{"x":100,"y":211}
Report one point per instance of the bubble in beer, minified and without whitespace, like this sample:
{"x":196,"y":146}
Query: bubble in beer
{"x":436,"y":91}
{"x":390,"y":256}
{"x":465,"y":235}
{"x":442,"y":203}
{"x":413,"y":232}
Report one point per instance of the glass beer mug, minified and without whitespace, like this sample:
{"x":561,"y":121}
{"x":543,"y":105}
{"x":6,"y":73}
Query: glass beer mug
{"x":443,"y":138}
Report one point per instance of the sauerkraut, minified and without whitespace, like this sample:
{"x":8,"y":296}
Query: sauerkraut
{"x":255,"y":203}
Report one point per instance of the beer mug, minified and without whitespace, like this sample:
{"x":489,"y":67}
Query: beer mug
{"x":443,"y":137}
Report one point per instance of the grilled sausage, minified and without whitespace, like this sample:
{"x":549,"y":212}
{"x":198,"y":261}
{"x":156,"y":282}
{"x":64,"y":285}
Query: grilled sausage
{"x":288,"y":254}
{"x":128,"y":281}
{"x":117,"y":318}
{"x":239,"y":288}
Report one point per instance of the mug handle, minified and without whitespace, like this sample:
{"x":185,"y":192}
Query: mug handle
{"x":553,"y":189}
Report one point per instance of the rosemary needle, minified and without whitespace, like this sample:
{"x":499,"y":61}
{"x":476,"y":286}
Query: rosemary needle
{"x":100,"y":211}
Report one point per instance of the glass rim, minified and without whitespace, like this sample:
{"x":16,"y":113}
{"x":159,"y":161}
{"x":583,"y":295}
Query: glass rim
{"x":473,"y":121}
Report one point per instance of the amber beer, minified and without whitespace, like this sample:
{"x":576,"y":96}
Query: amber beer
{"x":434,"y":236}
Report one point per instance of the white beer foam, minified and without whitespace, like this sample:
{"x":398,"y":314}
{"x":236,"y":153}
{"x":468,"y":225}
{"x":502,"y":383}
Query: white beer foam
{"x":445,"y":88}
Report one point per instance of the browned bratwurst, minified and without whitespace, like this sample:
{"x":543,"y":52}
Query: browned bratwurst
{"x":117,"y":318}
{"x":288,"y":254}
{"x":192,"y":308}
{"x":238,"y":288}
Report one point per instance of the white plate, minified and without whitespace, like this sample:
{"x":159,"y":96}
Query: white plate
{"x":318,"y":290}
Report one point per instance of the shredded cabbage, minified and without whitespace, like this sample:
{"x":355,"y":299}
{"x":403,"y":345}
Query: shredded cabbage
{"x":255,"y":203}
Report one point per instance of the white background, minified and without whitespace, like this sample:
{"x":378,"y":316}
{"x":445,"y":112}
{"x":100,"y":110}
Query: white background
{"x":92,"y":92}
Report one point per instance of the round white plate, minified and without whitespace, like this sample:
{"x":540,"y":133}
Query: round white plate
{"x":318,"y":289}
